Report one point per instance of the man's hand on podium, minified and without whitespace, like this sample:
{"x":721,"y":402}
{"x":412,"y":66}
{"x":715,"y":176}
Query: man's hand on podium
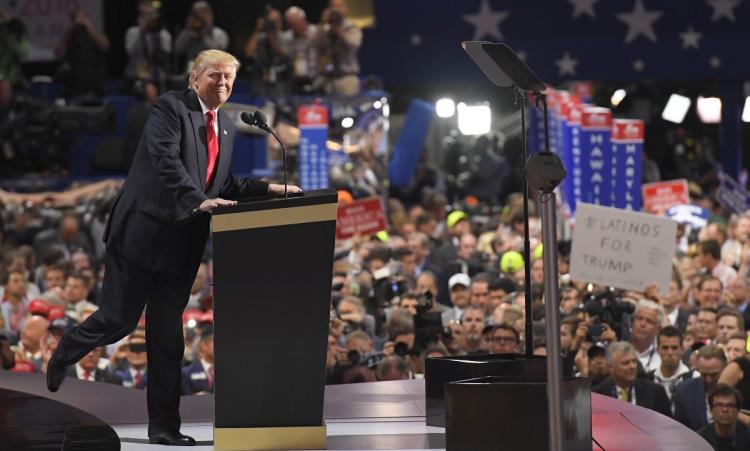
{"x":276,"y":188}
{"x":208,"y":204}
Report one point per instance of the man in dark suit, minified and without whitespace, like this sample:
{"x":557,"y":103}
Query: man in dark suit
{"x":157,"y":231}
{"x":691,"y":397}
{"x":87,"y":369}
{"x":725,"y":432}
{"x":624,"y":385}
{"x":198,"y":377}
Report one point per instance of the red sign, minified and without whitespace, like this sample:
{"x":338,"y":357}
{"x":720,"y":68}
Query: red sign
{"x":364,"y":217}
{"x":312,"y":116}
{"x":659,"y":197}
{"x":627,"y":130}
{"x":596,"y":117}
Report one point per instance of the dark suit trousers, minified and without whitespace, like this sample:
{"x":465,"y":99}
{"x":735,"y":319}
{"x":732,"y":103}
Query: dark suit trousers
{"x":126,"y":289}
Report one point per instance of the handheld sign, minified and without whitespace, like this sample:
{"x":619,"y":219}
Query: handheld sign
{"x":364,"y":216}
{"x":732,"y":195}
{"x":621,"y":248}
{"x":659,"y":197}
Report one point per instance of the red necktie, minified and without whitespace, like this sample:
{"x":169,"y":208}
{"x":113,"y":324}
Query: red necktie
{"x":138,"y":379}
{"x":86,"y":375}
{"x":210,"y":377}
{"x":213,"y":146}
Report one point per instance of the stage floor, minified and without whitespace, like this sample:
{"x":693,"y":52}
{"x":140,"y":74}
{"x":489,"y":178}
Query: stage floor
{"x":369,"y":416}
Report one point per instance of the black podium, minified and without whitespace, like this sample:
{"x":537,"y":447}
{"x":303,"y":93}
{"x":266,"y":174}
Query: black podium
{"x":273,"y":263}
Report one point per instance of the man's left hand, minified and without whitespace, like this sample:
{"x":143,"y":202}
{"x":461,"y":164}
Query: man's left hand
{"x":275,"y":188}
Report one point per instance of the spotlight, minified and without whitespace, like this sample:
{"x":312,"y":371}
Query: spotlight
{"x":445,"y":108}
{"x":347,"y":122}
{"x":191,"y":323}
{"x":746,"y":111}
{"x":676,"y":109}
{"x":377,"y":104}
{"x":474,"y":120}
{"x":386,"y":110}
{"x":709,"y":109}
{"x":618,"y":96}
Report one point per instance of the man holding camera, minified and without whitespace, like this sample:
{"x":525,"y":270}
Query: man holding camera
{"x":339,"y":40}
{"x":148,"y":45}
{"x":199,"y":34}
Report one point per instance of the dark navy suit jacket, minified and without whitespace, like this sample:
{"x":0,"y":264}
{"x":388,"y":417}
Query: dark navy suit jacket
{"x":690,"y":404}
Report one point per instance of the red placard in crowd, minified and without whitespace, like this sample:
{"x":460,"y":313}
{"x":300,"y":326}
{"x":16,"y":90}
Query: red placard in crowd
{"x":659,"y":197}
{"x":363,"y":216}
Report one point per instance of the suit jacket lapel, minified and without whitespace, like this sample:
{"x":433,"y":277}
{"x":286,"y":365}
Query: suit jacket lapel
{"x":199,"y":132}
{"x":225,"y":152}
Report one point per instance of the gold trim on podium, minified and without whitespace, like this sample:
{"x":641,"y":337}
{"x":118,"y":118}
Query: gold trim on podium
{"x":297,"y":437}
{"x":275,"y":217}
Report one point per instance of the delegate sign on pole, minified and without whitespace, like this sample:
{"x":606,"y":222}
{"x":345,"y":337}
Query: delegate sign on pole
{"x":659,"y":197}
{"x":313,"y":153}
{"x":596,"y":154}
{"x":627,"y":162}
{"x":621,"y":248}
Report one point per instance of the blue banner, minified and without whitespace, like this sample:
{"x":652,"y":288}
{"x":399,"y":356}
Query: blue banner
{"x":596,"y":156}
{"x":627,"y":159}
{"x":732,"y":195}
{"x":571,"y":157}
{"x":313,"y":153}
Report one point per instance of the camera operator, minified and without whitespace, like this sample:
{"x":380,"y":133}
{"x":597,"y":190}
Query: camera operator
{"x":338,"y":40}
{"x":13,"y":49}
{"x":302,"y":54}
{"x":148,"y":46}
{"x":199,"y":34}
{"x":269,"y":63}
{"x":352,"y":312}
{"x":81,"y":49}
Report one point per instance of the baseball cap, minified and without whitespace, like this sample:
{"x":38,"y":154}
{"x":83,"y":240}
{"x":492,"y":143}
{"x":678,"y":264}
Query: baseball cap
{"x":62,"y":324}
{"x":511,"y":262}
{"x":459,"y":279}
{"x":55,"y":312}
{"x":39,"y":307}
{"x":454,"y":217}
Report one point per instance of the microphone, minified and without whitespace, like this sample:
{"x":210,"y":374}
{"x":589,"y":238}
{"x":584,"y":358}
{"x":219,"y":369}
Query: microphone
{"x":258,"y":119}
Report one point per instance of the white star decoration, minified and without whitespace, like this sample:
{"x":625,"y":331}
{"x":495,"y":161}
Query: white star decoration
{"x":690,"y":38}
{"x":566,"y":65}
{"x":715,"y":62}
{"x":640,"y":22}
{"x":639,"y":65}
{"x":581,"y":7}
{"x":486,"y":22}
{"x":723,"y":8}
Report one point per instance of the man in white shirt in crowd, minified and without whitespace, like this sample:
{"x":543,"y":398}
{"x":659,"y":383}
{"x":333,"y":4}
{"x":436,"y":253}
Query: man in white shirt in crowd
{"x":647,"y":319}
{"x":672,"y":370}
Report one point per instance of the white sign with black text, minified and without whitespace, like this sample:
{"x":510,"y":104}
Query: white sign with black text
{"x":622,"y":248}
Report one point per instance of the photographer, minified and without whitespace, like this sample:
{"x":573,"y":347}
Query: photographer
{"x":13,"y":49}
{"x":302,"y":54}
{"x":149,"y":46}
{"x":269,"y":62}
{"x":81,"y":49}
{"x":338,"y":40}
{"x":199,"y":34}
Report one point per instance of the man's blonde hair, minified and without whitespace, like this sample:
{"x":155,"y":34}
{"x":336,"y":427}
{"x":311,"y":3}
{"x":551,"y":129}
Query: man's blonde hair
{"x":209,"y":58}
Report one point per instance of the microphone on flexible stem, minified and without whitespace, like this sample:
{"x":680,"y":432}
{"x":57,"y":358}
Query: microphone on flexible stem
{"x":258,"y":119}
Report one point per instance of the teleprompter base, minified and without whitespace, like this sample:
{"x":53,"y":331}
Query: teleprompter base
{"x":297,"y":437}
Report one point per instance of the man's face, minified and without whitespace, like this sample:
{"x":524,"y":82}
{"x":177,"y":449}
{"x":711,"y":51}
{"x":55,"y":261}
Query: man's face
{"x":342,"y":281}
{"x":89,"y":361}
{"x":460,"y":296}
{"x":54,"y":278}
{"x":503,"y":342}
{"x":569,"y":301}
{"x":624,"y":368}
{"x":214,"y":84}
{"x":673,"y":298}
{"x":734,"y":349}
{"x":473,"y":322}
{"x":467,"y":246}
{"x":480,"y":295}
{"x":707,"y":325}
{"x":738,"y":288}
{"x":742,"y":234}
{"x":415,"y":245}
{"x":409,"y":265}
{"x":728,"y":326}
{"x":137,"y":353}
{"x":75,"y":290}
{"x":710,"y":370}
{"x":409,"y":305}
{"x":709,"y":294}
{"x":566,"y":335}
{"x":206,"y":349}
{"x":69,"y":228}
{"x":670,"y":351}
{"x":725,"y":410}
{"x":645,"y":324}
{"x":426,"y":283}
{"x":537,"y":272}
{"x":598,"y":368}
{"x":16,"y":285}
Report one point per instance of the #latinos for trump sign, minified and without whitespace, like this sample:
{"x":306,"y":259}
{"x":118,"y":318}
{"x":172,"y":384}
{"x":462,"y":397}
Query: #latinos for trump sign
{"x":622,"y":248}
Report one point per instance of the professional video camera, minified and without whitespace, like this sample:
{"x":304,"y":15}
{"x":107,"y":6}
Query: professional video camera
{"x":606,"y":307}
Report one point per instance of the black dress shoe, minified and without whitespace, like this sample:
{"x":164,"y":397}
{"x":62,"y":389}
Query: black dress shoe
{"x":173,"y":439}
{"x":56,"y":371}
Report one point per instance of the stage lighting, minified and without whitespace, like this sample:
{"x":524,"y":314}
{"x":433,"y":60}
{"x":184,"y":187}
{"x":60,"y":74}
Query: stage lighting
{"x":617,"y":97}
{"x":474,"y":120}
{"x":445,"y":108}
{"x":676,"y":109}
{"x":191,"y":323}
{"x":386,"y":110}
{"x":377,"y":104}
{"x":347,"y":122}
{"x":709,"y":109}
{"x":746,"y":110}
